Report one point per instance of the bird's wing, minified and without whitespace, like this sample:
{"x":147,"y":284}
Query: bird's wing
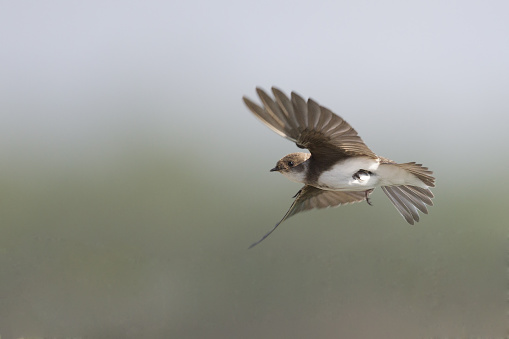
{"x":409,"y":199}
{"x":309,"y":125}
{"x":310,"y":197}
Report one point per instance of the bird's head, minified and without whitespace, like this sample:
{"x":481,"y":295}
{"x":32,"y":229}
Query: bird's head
{"x":293,"y":166}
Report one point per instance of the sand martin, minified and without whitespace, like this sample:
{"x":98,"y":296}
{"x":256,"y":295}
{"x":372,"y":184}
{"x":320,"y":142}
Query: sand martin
{"x":340,"y":169}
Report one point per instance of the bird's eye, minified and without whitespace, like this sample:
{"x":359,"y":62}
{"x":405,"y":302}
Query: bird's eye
{"x":290,"y":163}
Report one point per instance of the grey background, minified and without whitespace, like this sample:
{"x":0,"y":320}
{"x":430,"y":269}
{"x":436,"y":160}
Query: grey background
{"x":133,"y":178}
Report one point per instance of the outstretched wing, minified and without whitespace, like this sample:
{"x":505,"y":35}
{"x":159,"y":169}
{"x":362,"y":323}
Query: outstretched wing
{"x":309,"y":125}
{"x":310,"y":197}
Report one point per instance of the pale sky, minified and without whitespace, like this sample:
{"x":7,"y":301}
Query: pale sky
{"x":430,"y":75}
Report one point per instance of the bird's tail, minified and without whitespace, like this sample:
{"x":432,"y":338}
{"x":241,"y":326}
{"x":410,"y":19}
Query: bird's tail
{"x":409,"y":199}
{"x":421,"y":172}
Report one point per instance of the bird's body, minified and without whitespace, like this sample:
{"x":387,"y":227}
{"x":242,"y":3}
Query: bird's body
{"x":340,"y":177}
{"x":340,"y":169}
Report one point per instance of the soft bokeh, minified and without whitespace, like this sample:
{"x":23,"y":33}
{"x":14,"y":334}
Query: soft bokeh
{"x":133,"y":179}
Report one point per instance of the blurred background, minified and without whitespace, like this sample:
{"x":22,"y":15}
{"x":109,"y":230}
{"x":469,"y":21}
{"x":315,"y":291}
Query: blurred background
{"x":133,"y":178}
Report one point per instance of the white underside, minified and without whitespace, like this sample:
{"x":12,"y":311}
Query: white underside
{"x":299,"y":177}
{"x":340,"y":177}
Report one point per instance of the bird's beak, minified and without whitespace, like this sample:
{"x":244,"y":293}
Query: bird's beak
{"x":275,"y":169}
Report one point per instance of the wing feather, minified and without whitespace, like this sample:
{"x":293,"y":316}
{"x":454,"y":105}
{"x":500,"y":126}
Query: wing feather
{"x":310,"y":197}
{"x":309,"y":125}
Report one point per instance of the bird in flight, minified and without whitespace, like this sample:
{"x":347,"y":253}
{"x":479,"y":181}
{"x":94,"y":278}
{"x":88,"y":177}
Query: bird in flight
{"x":340,"y":169}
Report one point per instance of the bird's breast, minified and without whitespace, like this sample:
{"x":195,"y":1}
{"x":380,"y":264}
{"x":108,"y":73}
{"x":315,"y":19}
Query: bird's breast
{"x":340,"y":177}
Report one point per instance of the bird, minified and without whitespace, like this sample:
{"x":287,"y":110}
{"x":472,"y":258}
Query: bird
{"x":339,"y":168}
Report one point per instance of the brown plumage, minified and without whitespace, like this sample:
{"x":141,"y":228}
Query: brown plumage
{"x":340,"y":168}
